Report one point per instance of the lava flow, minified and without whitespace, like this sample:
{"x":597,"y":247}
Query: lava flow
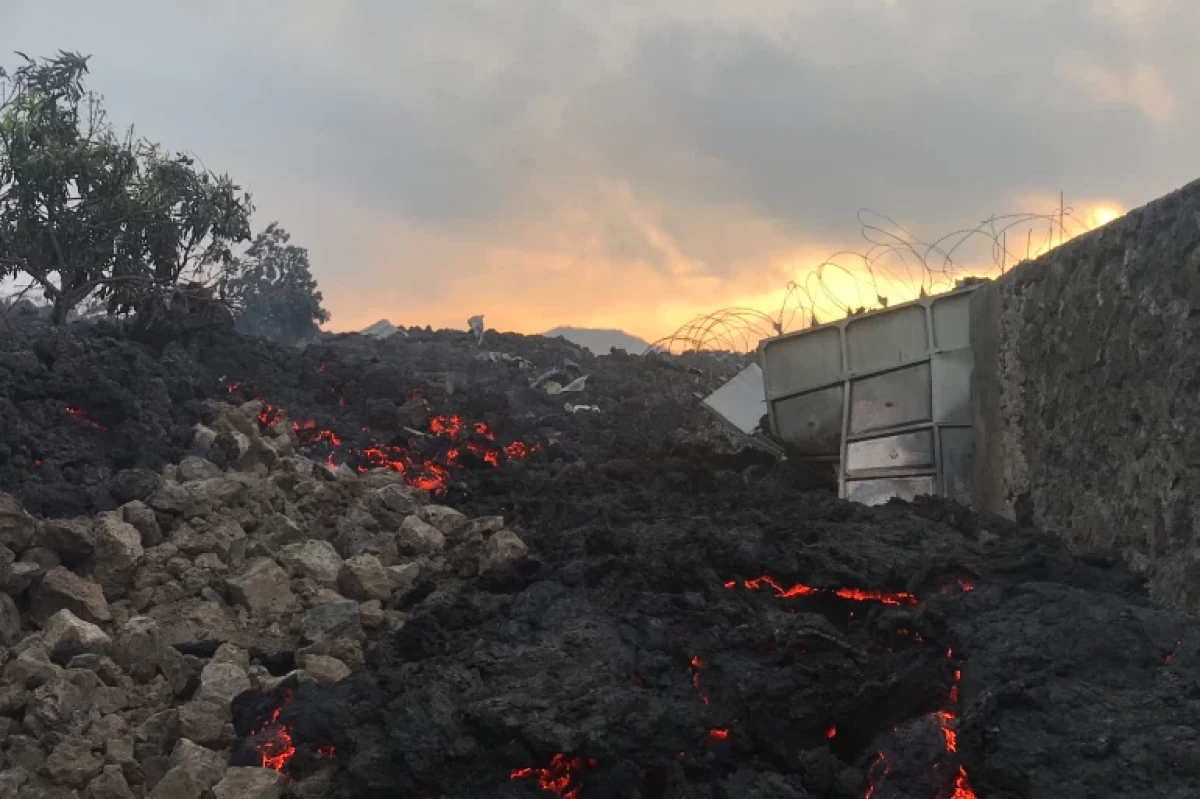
{"x":557,"y":778}
{"x":432,"y":473}
{"x":801,"y":590}
{"x":276,"y":748}
{"x":79,"y":413}
{"x":694,"y":670}
{"x":947,"y":723}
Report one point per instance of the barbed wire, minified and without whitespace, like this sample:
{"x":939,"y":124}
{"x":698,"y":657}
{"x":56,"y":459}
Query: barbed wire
{"x":895,"y":266}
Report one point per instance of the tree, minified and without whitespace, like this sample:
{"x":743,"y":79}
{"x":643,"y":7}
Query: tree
{"x":84,"y":211}
{"x":273,"y":291}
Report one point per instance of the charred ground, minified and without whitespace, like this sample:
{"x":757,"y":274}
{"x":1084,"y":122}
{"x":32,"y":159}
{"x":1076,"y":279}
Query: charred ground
{"x":916,"y":651}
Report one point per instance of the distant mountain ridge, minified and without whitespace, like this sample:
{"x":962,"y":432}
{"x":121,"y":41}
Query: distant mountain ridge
{"x":600,"y":341}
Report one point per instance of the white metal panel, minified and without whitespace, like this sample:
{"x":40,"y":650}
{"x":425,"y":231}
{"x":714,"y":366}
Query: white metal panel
{"x":951,"y":373}
{"x":801,"y":361}
{"x":742,"y":401}
{"x":906,"y":451}
{"x":812,"y":423}
{"x":952,"y":321}
{"x":877,"y":492}
{"x":885,"y":339}
{"x":958,"y":456}
{"x":891,"y":399}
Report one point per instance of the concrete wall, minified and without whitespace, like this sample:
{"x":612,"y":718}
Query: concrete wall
{"x":1086,"y":393}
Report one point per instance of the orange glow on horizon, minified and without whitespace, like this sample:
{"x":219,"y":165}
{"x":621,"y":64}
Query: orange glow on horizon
{"x":533,"y":287}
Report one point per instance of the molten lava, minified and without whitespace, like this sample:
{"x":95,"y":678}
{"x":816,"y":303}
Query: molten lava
{"x":694,"y":670}
{"x":947,"y":723}
{"x":79,"y":413}
{"x":876,"y":773}
{"x":430,"y":473}
{"x":559,"y":776}
{"x":276,"y":747}
{"x":801,"y":590}
{"x":718,"y":734}
{"x":962,"y":788}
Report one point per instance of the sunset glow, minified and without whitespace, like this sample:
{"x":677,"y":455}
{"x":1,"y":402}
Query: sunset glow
{"x":556,"y":281}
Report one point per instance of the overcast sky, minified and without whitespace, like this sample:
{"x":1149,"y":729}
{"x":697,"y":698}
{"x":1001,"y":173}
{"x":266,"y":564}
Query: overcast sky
{"x":631,"y":162}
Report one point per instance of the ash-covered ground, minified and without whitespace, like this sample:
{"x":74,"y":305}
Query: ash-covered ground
{"x":692,"y":620}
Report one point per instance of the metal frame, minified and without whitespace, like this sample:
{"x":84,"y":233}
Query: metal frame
{"x":849,"y":376}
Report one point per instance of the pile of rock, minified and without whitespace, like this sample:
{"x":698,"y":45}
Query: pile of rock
{"x":125,"y":637}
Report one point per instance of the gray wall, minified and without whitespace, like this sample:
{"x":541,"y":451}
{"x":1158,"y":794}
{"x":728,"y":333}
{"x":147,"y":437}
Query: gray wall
{"x":1086,"y":393}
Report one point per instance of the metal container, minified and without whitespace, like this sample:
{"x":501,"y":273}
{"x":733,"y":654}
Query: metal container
{"x":886,"y":395}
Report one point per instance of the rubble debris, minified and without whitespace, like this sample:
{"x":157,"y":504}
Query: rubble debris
{"x":383,"y":329}
{"x":505,"y":357}
{"x":634,"y":605}
{"x":475,"y":324}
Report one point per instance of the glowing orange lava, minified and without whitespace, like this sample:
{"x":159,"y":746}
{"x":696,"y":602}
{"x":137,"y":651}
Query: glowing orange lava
{"x":694,"y":669}
{"x":801,"y":590}
{"x":557,"y":778}
{"x":718,"y":734}
{"x":962,"y":788}
{"x":948,"y":723}
{"x":876,"y":773}
{"x":430,"y":473}
{"x":276,"y":749}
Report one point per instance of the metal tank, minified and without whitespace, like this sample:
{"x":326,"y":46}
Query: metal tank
{"x":885,"y":396}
